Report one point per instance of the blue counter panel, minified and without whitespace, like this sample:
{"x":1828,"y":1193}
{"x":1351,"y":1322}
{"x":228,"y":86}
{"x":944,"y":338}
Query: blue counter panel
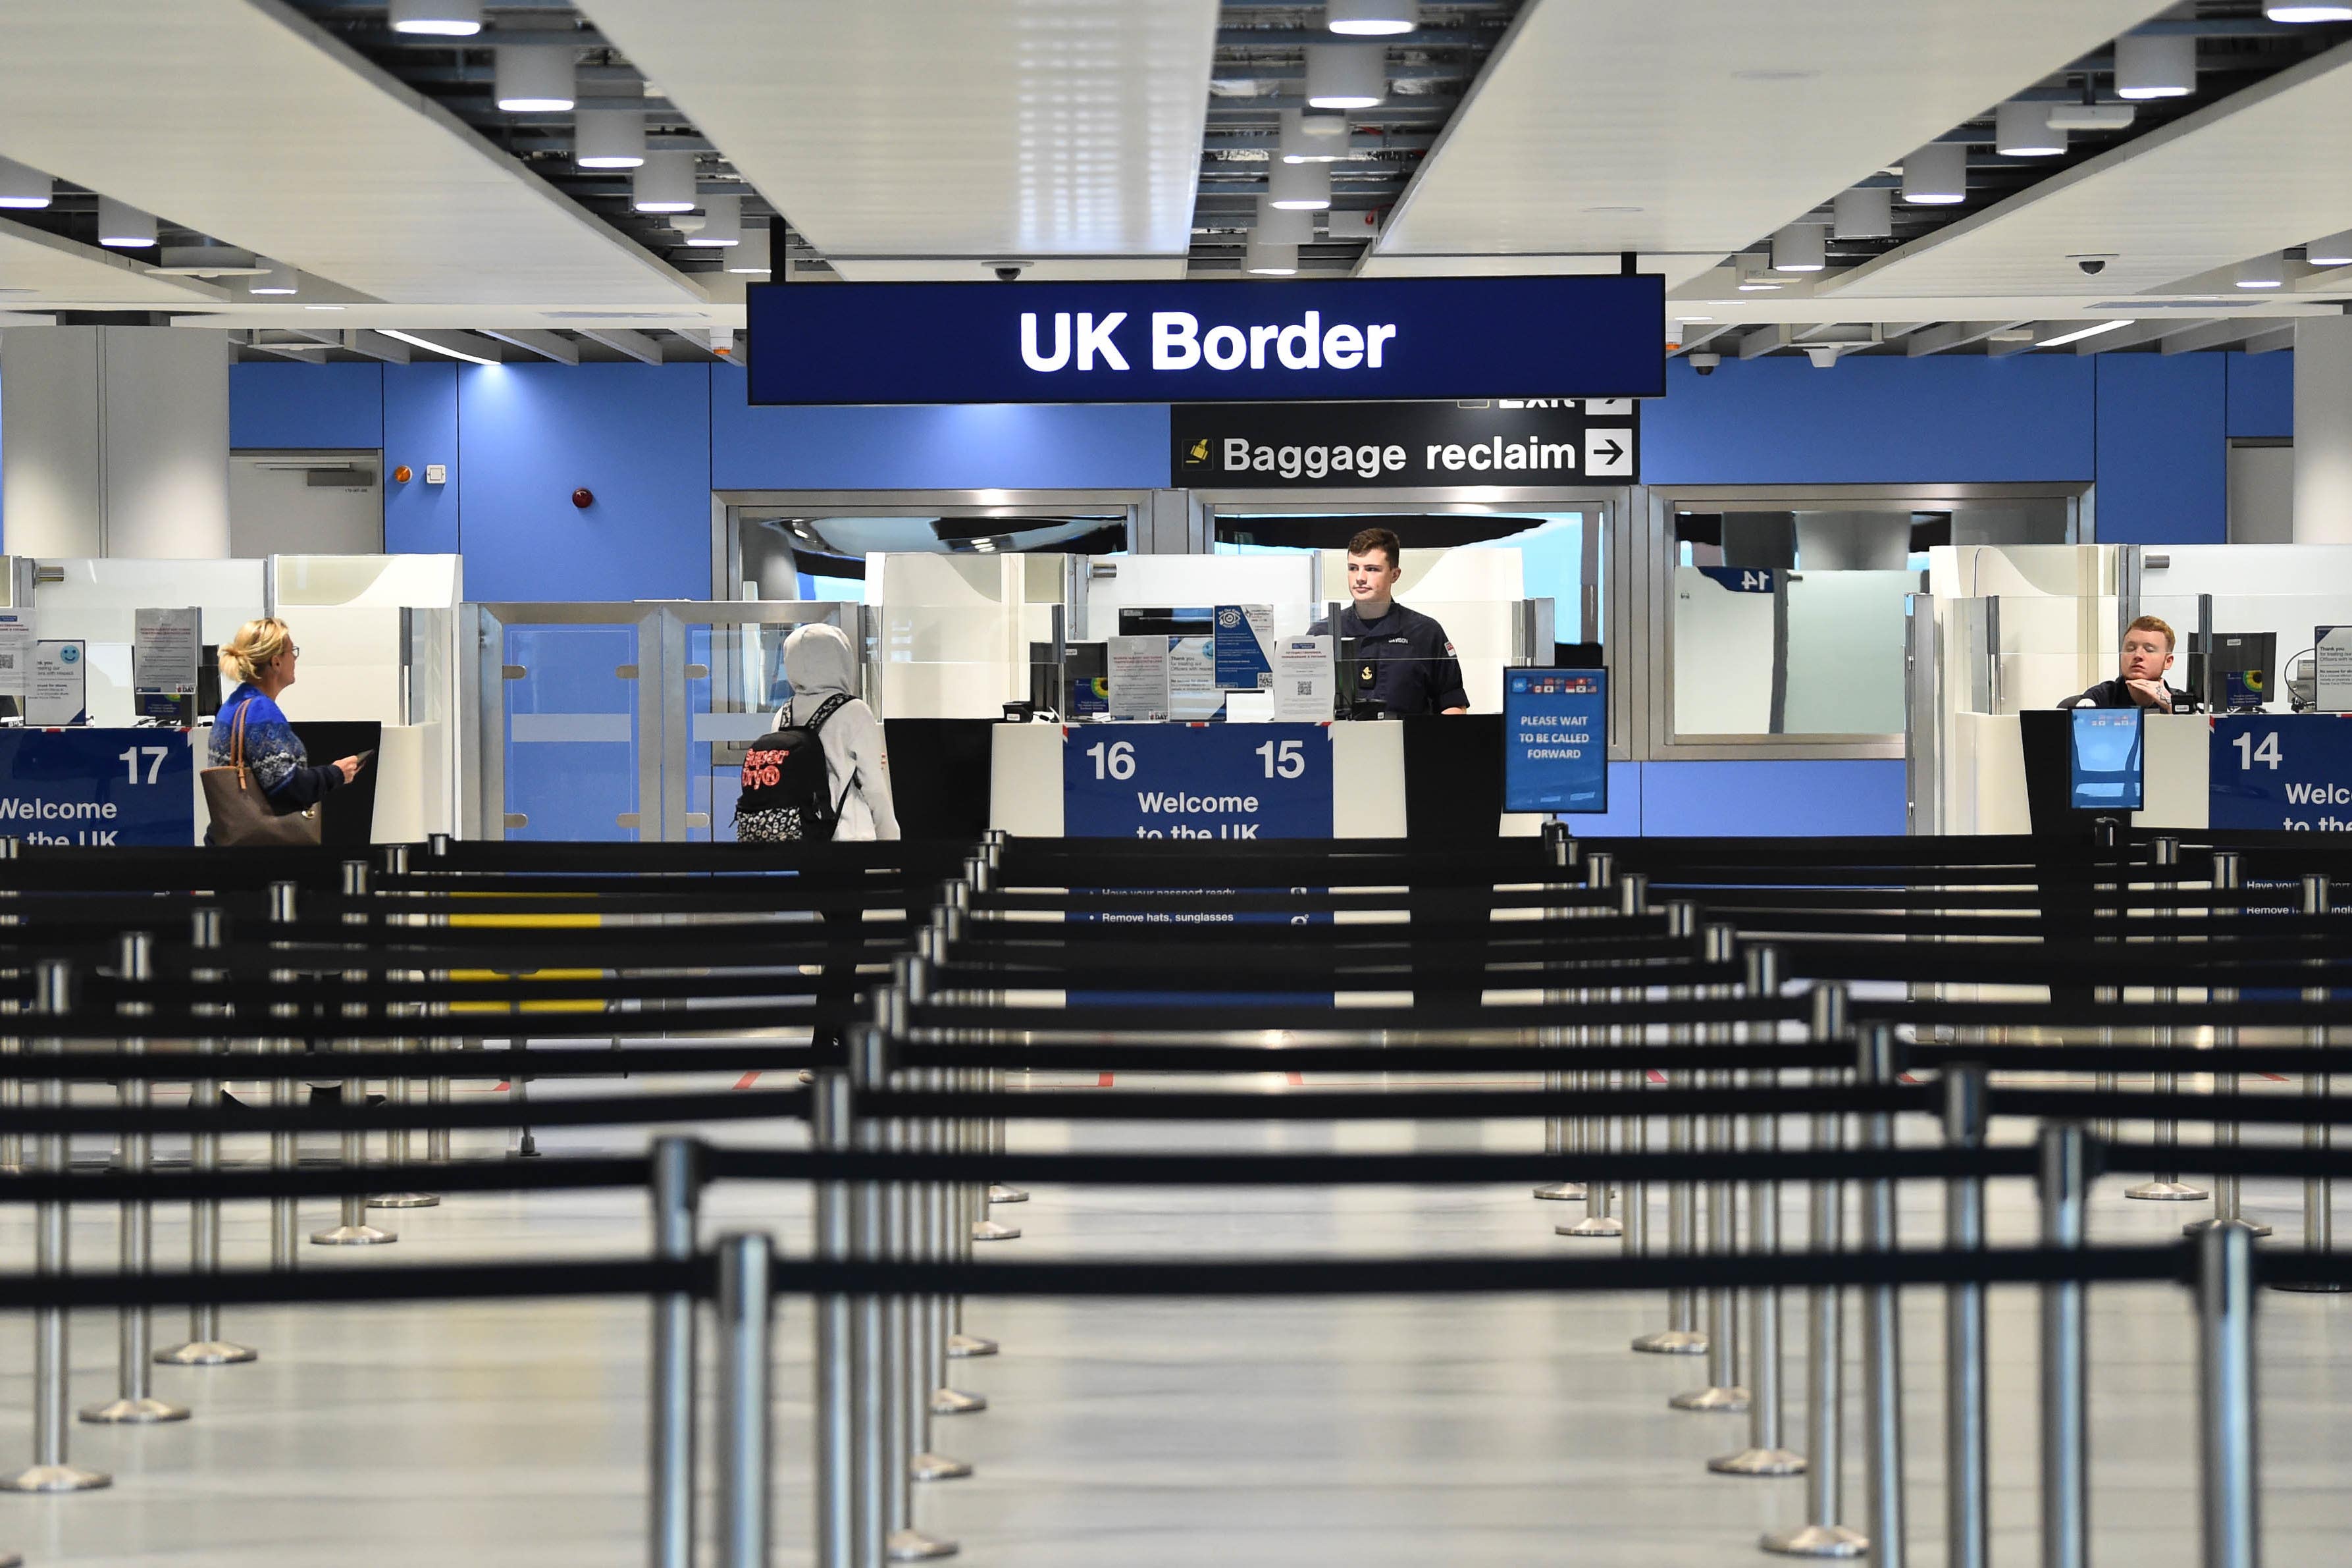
{"x":1783,"y":799}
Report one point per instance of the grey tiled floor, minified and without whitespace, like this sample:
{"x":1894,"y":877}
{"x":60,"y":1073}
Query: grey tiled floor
{"x":1394,"y":1433}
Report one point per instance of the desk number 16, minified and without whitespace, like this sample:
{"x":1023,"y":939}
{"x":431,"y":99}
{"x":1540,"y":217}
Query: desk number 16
{"x":2248,"y":753}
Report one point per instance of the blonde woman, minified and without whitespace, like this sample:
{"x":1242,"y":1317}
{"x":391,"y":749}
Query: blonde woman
{"x":260,"y":660}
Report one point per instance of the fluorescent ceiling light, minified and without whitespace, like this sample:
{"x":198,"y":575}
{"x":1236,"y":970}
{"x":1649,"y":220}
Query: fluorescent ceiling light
{"x":438,"y":18}
{"x":1753,"y":277}
{"x":413,"y":341}
{"x":1937,"y":175}
{"x":1867,"y":212}
{"x":663,"y":184}
{"x":609,"y":139}
{"x":2263,"y":272}
{"x":2305,"y":11}
{"x":536,"y":78}
{"x":2078,"y":334}
{"x":276,"y":278}
{"x":2023,"y":130}
{"x":723,"y":222}
{"x":1371,"y":18}
{"x":1312,"y":137}
{"x":124,"y":226}
{"x":2091,"y":116}
{"x":2159,"y":64}
{"x":1300,"y":187}
{"x":1270,"y":258}
{"x":2335,"y":250}
{"x":1800,"y":247}
{"x":1346,"y":76}
{"x":753,"y":255}
{"x":322,"y":307}
{"x":21,"y":186}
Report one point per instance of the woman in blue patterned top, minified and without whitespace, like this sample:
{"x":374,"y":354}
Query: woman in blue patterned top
{"x":260,"y":660}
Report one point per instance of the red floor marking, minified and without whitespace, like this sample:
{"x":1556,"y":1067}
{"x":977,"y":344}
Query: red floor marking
{"x":1657,"y":1076}
{"x":748,"y":1079}
{"x":1908,"y":1079}
{"x":2275,"y":1076}
{"x":1299,"y":1080}
{"x":503,"y":1086}
{"x":1102,"y":1081}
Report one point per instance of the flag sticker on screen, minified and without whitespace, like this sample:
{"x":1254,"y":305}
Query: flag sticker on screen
{"x":2108,"y":774}
{"x":1555,"y":741}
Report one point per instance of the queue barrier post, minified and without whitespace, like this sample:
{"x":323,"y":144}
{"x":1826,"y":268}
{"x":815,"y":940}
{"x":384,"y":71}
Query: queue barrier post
{"x":2229,"y":1187}
{"x":353,"y":1229}
{"x":285,"y":1093}
{"x":1681,"y":1335}
{"x":832,"y":1129}
{"x":205,"y":1346}
{"x":1724,"y":1392}
{"x":51,"y":1470}
{"x":2065,"y":1183}
{"x":747,"y":1316}
{"x":1882,"y":1322}
{"x":2318,"y":1191}
{"x":1967,"y":1462}
{"x":2166,"y":1186}
{"x":1637,"y":1228}
{"x":135,"y":1402}
{"x":1765,"y":1454}
{"x":400,"y":1143}
{"x":677,"y":1192}
{"x":871,"y":1402}
{"x":2226,"y":1405}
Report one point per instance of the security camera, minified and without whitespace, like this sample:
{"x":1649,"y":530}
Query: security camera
{"x":1823,"y":355}
{"x":1704,"y":363}
{"x":1008,"y":271}
{"x":2092,"y":266}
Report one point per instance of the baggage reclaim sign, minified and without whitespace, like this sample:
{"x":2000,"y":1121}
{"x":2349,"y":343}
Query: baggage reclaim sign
{"x":1499,"y":441}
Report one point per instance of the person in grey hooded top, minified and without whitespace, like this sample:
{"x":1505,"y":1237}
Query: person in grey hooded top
{"x":819,"y":664}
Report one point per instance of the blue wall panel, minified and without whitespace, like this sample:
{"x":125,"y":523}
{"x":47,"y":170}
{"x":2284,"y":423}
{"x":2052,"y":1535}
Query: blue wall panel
{"x":2163,"y":459}
{"x":996,"y":447}
{"x":2261,"y":393}
{"x":420,"y":429}
{"x":1871,"y":421}
{"x":300,"y":405}
{"x":1827,"y":799}
{"x":636,"y":435}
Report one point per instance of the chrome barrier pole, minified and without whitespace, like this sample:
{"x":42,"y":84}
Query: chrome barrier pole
{"x":1882,"y":1321}
{"x":1967,"y":1462}
{"x":870,"y":1327}
{"x":906,"y":1405}
{"x":1765,"y":1455}
{"x":1636,"y":1230}
{"x":285,"y":1093}
{"x":747,"y":1318}
{"x":1724,"y":1391}
{"x":1821,"y":1535}
{"x":2318,"y":1192}
{"x":135,"y":1402}
{"x":2065,"y":1181}
{"x":676,"y":1182}
{"x":2103,"y":835}
{"x":2226,"y":1403}
{"x":1567,"y":1134}
{"x":204,"y":1347}
{"x":979,"y":877}
{"x":915,"y":1222}
{"x":985,"y":1134}
{"x":2229,"y":1188}
{"x":12,"y":1088}
{"x":51,"y":1471}
{"x":354,"y":1230}
{"x":400,"y":1144}
{"x":831,"y":1131}
{"x":2166,"y":1186}
{"x":1681,"y":1336}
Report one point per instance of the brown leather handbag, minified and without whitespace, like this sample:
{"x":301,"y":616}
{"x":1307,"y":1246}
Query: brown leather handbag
{"x":242,"y":815}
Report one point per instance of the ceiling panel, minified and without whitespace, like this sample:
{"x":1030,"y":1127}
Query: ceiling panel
{"x":38,"y":268}
{"x":2260,"y":171}
{"x":241,"y":119}
{"x":950,"y":129}
{"x":1693,"y":128}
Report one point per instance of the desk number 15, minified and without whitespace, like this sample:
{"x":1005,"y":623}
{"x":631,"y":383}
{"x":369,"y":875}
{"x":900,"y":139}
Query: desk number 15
{"x":2248,"y":753}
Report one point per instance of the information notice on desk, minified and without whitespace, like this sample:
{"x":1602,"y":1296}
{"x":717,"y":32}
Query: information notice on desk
{"x":97,"y":787}
{"x":2276,"y":771}
{"x":1196,"y":780}
{"x":1555,"y":739}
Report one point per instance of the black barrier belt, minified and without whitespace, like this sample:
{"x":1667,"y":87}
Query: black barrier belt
{"x":2071,"y":1014}
{"x":1138,"y":901}
{"x":536,"y":1062}
{"x":1142,"y":1022}
{"x":365,"y":1287}
{"x":92,"y":1023}
{"x":254,"y":997}
{"x":624,"y":1110}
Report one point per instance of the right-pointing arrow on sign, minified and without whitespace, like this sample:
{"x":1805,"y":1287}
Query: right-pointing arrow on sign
{"x":1607,"y":454}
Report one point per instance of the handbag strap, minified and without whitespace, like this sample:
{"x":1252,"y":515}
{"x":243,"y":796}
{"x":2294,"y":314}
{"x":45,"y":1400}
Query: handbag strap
{"x":236,"y":742}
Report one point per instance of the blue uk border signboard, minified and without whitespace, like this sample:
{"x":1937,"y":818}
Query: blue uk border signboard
{"x":97,"y":787}
{"x":1556,"y":739}
{"x":1196,"y":780}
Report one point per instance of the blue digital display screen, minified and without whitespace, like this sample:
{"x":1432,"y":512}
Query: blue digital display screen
{"x":1350,"y":340}
{"x":2108,"y":772}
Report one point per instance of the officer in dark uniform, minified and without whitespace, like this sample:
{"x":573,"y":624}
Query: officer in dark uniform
{"x":1402,"y":658}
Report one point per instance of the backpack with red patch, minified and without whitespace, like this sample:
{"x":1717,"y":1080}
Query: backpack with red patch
{"x":787,"y":797}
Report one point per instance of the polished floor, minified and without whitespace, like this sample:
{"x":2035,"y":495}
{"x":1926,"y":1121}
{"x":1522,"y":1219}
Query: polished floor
{"x":1393,"y":1433}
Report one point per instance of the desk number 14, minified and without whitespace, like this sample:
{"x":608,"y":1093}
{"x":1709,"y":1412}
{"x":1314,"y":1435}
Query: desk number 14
{"x":2248,"y":753}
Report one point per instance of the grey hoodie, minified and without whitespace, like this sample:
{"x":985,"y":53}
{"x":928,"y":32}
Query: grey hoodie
{"x":819,"y":663}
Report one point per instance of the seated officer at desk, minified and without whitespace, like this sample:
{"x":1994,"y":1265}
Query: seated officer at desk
{"x":2147,"y":654}
{"x":1402,"y":658}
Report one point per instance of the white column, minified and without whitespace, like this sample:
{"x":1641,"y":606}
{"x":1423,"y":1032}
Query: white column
{"x":114,"y":442}
{"x":2323,"y":430}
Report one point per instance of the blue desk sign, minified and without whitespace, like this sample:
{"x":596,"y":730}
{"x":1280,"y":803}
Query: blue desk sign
{"x":2281,"y":772}
{"x":1244,"y":649}
{"x":1556,"y":739}
{"x":1196,"y":780}
{"x":97,"y":786}
{"x":1165,"y":340}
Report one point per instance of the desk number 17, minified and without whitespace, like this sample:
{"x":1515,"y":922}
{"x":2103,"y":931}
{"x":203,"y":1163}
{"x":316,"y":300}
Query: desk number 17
{"x":2248,"y":753}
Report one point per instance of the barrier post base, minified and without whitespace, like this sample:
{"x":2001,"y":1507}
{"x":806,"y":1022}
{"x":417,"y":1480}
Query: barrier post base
{"x":1758,"y":1462}
{"x":1672,"y":1341}
{"x":963,"y":1347}
{"x":2200,"y":1226}
{"x":2310,"y":1286}
{"x":207,"y":1352}
{"x":994,"y":1230}
{"x":1562,"y":1193}
{"x":405,"y":1200}
{"x":1727,"y":1401}
{"x":936,"y":1467}
{"x":914,"y":1546}
{"x":956,"y":1402}
{"x":2168,"y":1192}
{"x":1609,"y":1228}
{"x":998,"y":1193}
{"x":141,"y":1412}
{"x":56,"y":1478}
{"x":353,"y":1236}
{"x":1816,"y":1540}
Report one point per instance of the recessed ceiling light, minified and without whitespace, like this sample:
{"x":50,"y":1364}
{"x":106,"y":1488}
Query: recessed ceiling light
{"x":2305,"y":11}
{"x":438,"y":18}
{"x":322,"y":307}
{"x":1371,"y":18}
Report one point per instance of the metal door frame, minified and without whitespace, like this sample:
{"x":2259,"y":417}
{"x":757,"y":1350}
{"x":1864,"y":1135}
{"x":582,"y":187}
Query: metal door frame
{"x":483,"y":813}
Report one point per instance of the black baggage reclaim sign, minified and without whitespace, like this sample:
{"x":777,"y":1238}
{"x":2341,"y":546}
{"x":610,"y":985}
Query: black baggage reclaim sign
{"x":1563,"y":441}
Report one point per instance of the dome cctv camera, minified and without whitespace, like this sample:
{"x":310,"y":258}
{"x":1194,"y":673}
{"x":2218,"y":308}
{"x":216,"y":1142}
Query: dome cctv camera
{"x":1824,"y":355}
{"x":2093,"y":266}
{"x":1704,"y":363}
{"x":1008,"y":271}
